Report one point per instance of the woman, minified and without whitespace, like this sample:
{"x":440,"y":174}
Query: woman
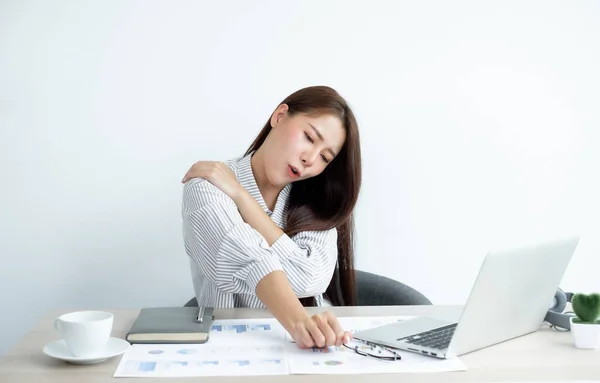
{"x":274,"y":228}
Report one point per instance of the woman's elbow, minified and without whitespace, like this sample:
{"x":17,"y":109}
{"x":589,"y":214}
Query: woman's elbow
{"x":310,"y":288}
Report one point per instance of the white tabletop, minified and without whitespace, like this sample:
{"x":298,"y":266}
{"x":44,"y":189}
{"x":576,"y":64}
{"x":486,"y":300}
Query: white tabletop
{"x":546,"y":355}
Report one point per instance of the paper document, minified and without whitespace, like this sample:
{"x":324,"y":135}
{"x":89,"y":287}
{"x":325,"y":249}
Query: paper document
{"x":345,"y":361}
{"x":341,"y":360}
{"x":263,"y":347}
{"x":235,"y":347}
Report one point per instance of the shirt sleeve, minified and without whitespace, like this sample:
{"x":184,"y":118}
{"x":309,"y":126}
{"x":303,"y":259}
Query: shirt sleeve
{"x":236,"y":257}
{"x":228,"y":251}
{"x":308,"y":259}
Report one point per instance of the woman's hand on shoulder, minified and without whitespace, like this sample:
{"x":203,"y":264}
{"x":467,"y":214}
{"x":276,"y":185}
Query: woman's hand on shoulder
{"x":217,"y":173}
{"x":320,"y":330}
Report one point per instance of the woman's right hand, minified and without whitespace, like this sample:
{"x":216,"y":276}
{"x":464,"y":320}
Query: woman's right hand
{"x":320,"y":330}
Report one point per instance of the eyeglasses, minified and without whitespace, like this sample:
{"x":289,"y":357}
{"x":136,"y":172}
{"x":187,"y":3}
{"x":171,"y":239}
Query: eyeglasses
{"x":365,"y":348}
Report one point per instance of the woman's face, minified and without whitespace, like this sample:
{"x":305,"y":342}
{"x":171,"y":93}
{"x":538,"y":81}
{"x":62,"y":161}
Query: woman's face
{"x":301,"y":146}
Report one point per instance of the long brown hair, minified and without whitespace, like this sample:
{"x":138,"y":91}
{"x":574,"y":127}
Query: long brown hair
{"x":327,"y":200}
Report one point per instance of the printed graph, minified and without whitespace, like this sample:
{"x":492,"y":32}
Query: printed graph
{"x":140,"y":367}
{"x":176,"y":365}
{"x":241,"y":328}
{"x":260,"y":327}
{"x":327,"y":363}
{"x":205,"y":363}
{"x":270,"y":361}
{"x":326,"y":350}
{"x":240,"y":363}
{"x":187,"y":351}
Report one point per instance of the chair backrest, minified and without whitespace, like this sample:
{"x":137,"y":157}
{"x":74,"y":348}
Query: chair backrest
{"x":376,"y":290}
{"x":191,"y":303}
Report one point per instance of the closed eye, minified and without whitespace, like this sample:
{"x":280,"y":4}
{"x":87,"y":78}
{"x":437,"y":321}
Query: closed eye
{"x":308,"y":137}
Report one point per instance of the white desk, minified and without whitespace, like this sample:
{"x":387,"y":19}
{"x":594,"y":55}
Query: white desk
{"x":544,"y":355}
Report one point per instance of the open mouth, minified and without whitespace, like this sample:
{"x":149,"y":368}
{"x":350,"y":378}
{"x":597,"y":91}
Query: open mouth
{"x":295,"y":172}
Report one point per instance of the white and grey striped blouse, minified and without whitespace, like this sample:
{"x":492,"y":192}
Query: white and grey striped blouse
{"x":228,"y":257}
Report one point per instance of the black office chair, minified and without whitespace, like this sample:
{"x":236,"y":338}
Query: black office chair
{"x":376,"y":290}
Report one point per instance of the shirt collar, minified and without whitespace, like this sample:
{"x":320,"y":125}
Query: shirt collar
{"x":248,"y":182}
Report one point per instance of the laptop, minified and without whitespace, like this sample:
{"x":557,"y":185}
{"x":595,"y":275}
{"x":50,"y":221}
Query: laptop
{"x":510,"y":297}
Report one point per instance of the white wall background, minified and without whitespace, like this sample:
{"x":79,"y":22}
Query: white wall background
{"x":479,"y":124}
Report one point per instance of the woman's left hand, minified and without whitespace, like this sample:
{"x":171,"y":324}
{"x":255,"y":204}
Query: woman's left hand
{"x":217,"y":173}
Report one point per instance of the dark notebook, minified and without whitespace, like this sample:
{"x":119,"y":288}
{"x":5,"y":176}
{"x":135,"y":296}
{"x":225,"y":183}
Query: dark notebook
{"x":172,"y":325}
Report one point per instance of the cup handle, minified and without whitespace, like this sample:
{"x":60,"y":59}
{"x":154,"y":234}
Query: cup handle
{"x":56,"y":325}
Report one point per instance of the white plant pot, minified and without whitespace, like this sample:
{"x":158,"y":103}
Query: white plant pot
{"x":585,"y":335}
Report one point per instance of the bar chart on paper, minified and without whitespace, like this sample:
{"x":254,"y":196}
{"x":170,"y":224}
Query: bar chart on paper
{"x":201,"y":360}
{"x":249,"y":331}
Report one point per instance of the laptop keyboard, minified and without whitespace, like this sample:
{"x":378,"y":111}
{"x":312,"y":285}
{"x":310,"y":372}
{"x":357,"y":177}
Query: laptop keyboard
{"x":438,"y":338}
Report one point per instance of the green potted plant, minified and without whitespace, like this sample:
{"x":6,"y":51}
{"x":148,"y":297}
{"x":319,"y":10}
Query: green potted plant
{"x":585,"y":326}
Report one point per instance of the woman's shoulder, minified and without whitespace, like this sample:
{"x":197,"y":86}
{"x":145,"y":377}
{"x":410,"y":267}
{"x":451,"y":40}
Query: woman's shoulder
{"x":198,"y":191}
{"x":233,"y":164}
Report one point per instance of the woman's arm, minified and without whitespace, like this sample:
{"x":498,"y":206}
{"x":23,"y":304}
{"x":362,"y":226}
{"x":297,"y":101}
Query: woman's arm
{"x":308,"y":259}
{"x":227,"y":250}
{"x":255,"y":216}
{"x":320,"y":329}
{"x":236,"y":258}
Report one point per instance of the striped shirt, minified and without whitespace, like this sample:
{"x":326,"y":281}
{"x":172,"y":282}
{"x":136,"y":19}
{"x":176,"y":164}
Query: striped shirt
{"x":228,"y":257}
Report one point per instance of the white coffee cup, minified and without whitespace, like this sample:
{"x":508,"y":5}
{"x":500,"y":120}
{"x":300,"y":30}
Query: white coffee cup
{"x":86,"y":333}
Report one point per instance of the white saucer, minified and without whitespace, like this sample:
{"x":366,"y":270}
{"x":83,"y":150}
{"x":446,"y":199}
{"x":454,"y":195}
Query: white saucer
{"x":59,"y":350}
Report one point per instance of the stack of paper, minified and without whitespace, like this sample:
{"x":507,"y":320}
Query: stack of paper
{"x":263,"y":347}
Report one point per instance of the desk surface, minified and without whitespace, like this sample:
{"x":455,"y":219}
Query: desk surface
{"x":544,"y":355}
